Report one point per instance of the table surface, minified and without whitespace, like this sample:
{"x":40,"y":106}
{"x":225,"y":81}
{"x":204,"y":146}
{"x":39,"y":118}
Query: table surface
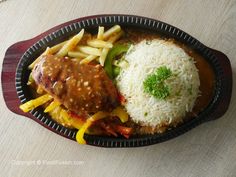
{"x":28,"y":149}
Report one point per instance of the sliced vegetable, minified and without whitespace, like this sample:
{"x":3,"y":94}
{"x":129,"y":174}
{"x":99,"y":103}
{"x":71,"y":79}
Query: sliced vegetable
{"x":76,"y":121}
{"x":80,"y":134}
{"x":108,"y":129}
{"x":52,"y":106}
{"x":40,"y":90}
{"x":30,"y":80}
{"x":121,"y":99}
{"x":125,"y":131}
{"x":26,"y":107}
{"x":121,"y":113}
{"x":114,"y":52}
{"x":116,"y":71}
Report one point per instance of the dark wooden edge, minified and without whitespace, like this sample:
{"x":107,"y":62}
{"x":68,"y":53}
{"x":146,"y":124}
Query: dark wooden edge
{"x":226,"y":86}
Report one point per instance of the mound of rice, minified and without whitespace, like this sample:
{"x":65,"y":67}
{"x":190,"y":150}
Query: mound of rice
{"x":143,"y":59}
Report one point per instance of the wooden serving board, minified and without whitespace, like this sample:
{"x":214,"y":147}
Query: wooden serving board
{"x":15,"y":52}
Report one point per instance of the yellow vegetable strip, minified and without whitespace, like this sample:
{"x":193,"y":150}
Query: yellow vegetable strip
{"x":30,"y":80}
{"x":88,"y":59}
{"x":52,"y":106}
{"x":99,"y":43}
{"x":100,"y":32}
{"x":121,"y":113}
{"x":80,"y":134}
{"x":70,"y":44}
{"x":47,"y":51}
{"x":76,"y":123}
{"x":26,"y":107}
{"x":103,"y":56}
{"x":77,"y":54}
{"x":89,"y":50}
{"x":40,"y":90}
{"x":111,"y":31}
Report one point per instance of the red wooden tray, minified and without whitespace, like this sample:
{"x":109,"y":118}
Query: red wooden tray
{"x":15,"y":52}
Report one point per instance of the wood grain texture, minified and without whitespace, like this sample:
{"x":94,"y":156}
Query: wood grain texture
{"x":208,"y":150}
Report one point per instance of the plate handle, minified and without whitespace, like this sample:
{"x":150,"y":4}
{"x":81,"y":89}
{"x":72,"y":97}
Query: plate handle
{"x":226,"y":86}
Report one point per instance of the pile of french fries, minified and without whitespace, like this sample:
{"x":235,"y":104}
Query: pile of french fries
{"x":96,"y":48}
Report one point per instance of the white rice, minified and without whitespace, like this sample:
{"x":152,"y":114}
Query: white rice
{"x":144,"y":58}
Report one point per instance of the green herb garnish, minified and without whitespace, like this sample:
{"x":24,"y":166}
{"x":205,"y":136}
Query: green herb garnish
{"x":154,"y":83}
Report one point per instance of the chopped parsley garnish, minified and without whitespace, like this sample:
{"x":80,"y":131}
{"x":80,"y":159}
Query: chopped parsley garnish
{"x":154,"y":83}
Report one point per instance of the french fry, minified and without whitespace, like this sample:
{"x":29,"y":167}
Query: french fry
{"x":52,"y":106}
{"x":103,"y":56}
{"x":51,"y":50}
{"x":99,"y":43}
{"x":57,"y":47}
{"x":26,"y":107}
{"x":100,"y":32}
{"x":115,"y":37}
{"x":89,"y":50}
{"x":88,"y":59}
{"x":111,"y":31}
{"x":71,"y":44}
{"x":47,"y":51}
{"x":76,"y":54}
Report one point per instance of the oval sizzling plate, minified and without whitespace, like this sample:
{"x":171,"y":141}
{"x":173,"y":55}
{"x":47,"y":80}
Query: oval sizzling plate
{"x":26,"y":52}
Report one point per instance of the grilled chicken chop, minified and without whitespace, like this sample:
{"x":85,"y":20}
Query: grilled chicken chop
{"x":83,"y":89}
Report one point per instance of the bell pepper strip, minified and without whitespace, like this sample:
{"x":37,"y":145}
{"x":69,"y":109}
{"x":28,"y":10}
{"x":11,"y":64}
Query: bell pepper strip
{"x":80,"y":134}
{"x":76,"y":123}
{"x":26,"y":107}
{"x":121,"y":98}
{"x":30,"y":80}
{"x":116,"y":71}
{"x":52,"y":106}
{"x":117,"y":50}
{"x":108,"y":129}
{"x":125,"y":131}
{"x":121,"y":113}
